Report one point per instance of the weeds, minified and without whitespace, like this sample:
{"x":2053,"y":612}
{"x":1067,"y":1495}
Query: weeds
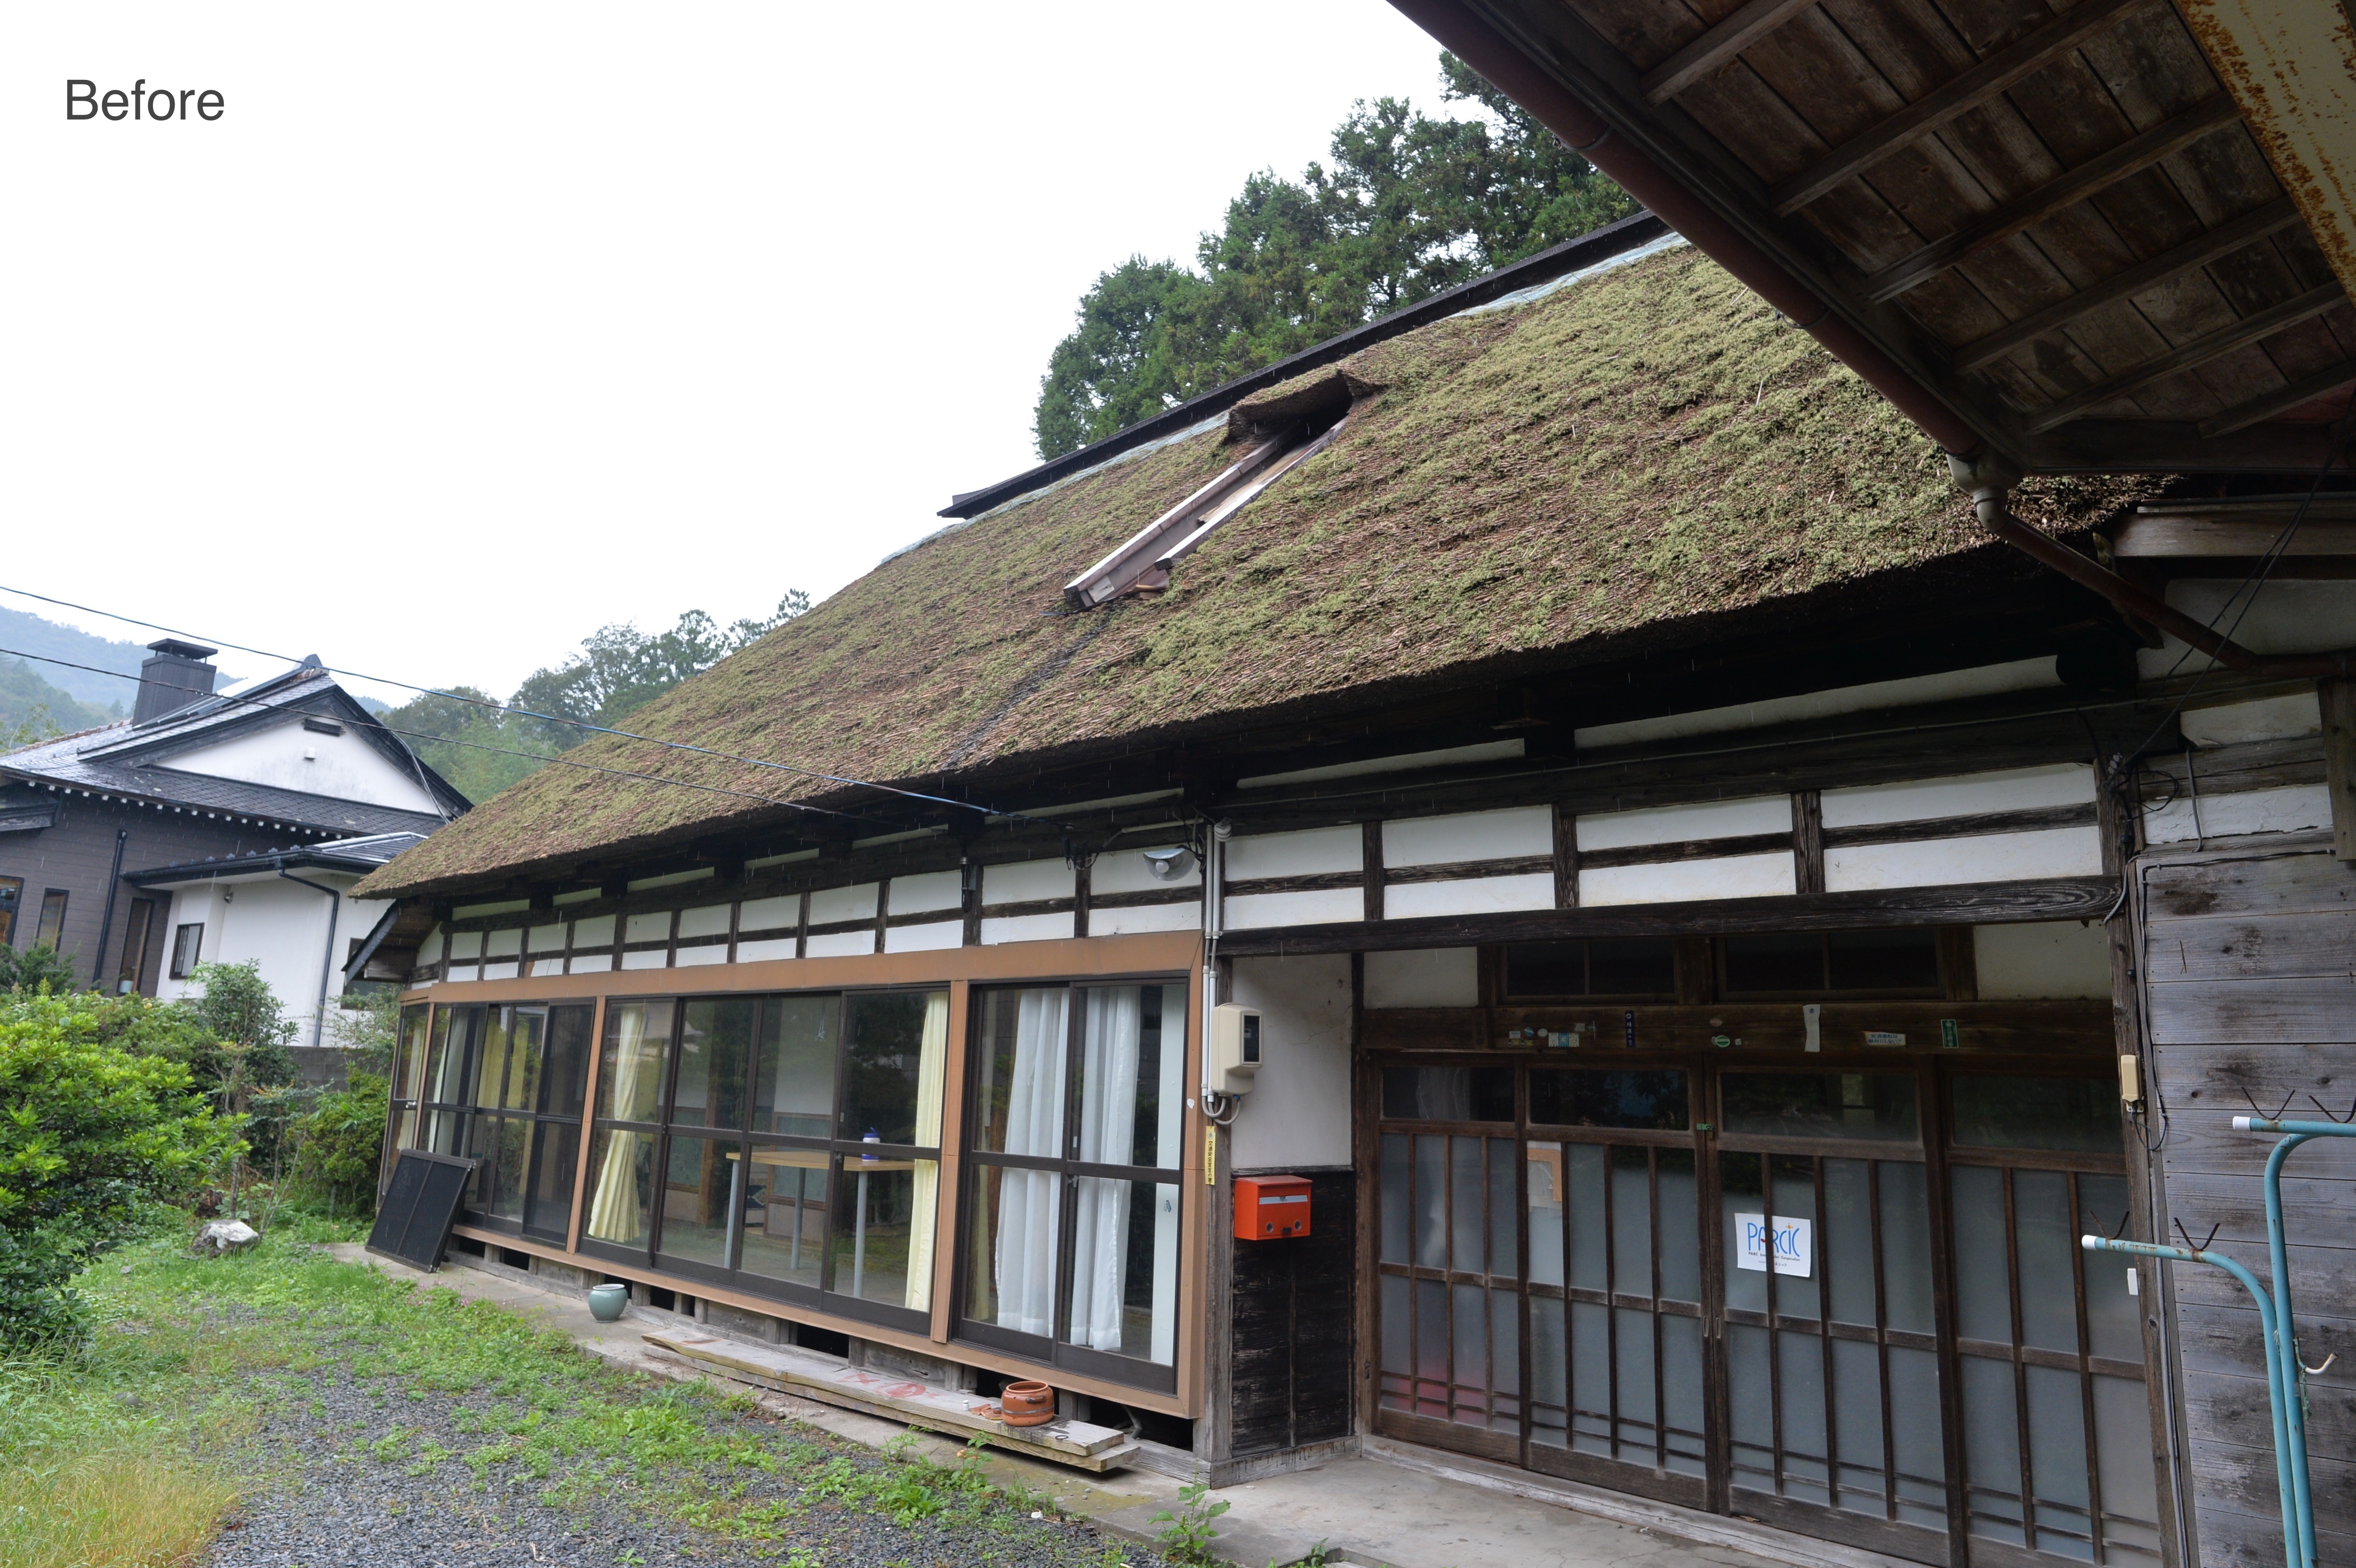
{"x":1185,"y":1535}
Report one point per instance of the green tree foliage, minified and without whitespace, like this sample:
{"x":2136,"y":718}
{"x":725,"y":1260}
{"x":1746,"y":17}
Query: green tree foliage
{"x":481,"y":749}
{"x":91,"y":1133}
{"x":36,"y":968}
{"x":32,"y":709}
{"x":338,"y":1145}
{"x":238,"y":1046}
{"x":1408,"y":206}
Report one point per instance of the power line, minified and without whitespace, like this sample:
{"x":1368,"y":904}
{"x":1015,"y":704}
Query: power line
{"x":544,"y":717}
{"x":472,"y":745}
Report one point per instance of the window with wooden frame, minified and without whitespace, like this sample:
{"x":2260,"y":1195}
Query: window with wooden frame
{"x":187,"y":949}
{"x":1901,"y":962}
{"x":51,"y":927}
{"x":1623,"y":968}
{"x":135,"y":937}
{"x":12,"y":894}
{"x":789,"y":1145}
{"x":1072,"y":1203}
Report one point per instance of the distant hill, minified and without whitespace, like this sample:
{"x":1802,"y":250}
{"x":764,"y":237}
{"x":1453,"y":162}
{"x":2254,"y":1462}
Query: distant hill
{"x":23,"y":634}
{"x":32,"y":705}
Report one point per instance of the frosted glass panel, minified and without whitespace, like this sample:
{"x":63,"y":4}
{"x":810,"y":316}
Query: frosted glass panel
{"x":1905,"y":1247}
{"x":2048,"y":1248}
{"x":1983,"y":1278}
{"x":1546,"y":1210}
{"x":1583,"y":1168}
{"x":1395,"y":1200}
{"x":1632,"y":1222}
{"x":1846,"y":1245}
{"x":1680,"y":1247}
{"x":1549,"y":1374}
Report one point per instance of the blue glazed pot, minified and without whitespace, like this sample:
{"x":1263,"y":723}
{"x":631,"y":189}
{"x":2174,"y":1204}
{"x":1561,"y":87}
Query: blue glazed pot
{"x":606,"y":1301}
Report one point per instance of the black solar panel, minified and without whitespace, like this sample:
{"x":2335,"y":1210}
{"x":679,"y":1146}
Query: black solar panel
{"x":420,"y":1207}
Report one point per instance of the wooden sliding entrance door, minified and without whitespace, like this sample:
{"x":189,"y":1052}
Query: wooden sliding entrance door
{"x":1837,"y":1295}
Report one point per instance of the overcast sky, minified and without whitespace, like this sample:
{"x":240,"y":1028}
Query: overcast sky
{"x":469,"y":328}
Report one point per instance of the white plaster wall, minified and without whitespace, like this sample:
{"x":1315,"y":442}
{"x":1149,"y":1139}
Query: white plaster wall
{"x":1473,"y":835}
{"x":841,"y":944}
{"x":1321,"y":907}
{"x":1307,"y":853}
{"x":1732,"y":877}
{"x":1945,"y":687}
{"x":1026,"y":881}
{"x":833,"y":905}
{"x":282,"y":927}
{"x":2284,"y":810}
{"x":924,"y":938}
{"x":1479,"y":895}
{"x":1024,"y":928}
{"x":768,"y":947}
{"x":344,"y":767}
{"x":653,"y":927}
{"x":1187,"y":916}
{"x":1424,"y":977}
{"x":770,"y":914}
{"x":1298,"y":1113}
{"x":2267,"y":719}
{"x":2058,"y":958}
{"x":933,"y":890}
{"x":711,"y":920}
{"x":1981,"y":857}
{"x":691,"y":957}
{"x":1679,"y":824}
{"x":591,"y":963}
{"x":1968,"y":794}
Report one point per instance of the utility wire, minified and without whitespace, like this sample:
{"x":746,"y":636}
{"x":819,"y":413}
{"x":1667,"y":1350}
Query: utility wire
{"x":544,"y":717}
{"x":257,"y":701}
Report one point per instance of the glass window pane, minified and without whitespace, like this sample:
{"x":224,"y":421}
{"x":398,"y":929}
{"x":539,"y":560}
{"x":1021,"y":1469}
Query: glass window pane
{"x":1019,"y":1093}
{"x":408,"y":1068}
{"x":622,"y":1173}
{"x":1681,"y":1393}
{"x":1819,"y":1105}
{"x":1583,"y":1170}
{"x":1395,"y":1202}
{"x":793,"y":1077}
{"x":1010,"y":1259}
{"x":1751,"y":1407}
{"x":1398,"y":1372}
{"x":1846,"y":1245}
{"x":493,"y":1056}
{"x":1125,"y":1268}
{"x":1130,"y":1099}
{"x":1467,"y":1193}
{"x":1546,"y":969}
{"x":1884,"y":960}
{"x":1983,"y":1260}
{"x":715,"y":1044}
{"x":1504,"y":1249}
{"x":564,"y":1083}
{"x":1991,"y":1450}
{"x":1741,"y":1190}
{"x":1638,"y":1425}
{"x":1432,"y":1201}
{"x":1774,"y":962}
{"x":1432,"y":1348}
{"x":1448,"y":1094}
{"x":875,"y":1216}
{"x":1631,"y":967}
{"x":1917,"y":1441}
{"x":1632,"y":1222}
{"x":2113,"y":1323}
{"x":2048,"y":1245}
{"x":785,"y":1215}
{"x":1905,"y":1246}
{"x":555,"y":1155}
{"x":1800,"y":1380}
{"x":1795,"y":1196}
{"x":2123,"y":1463}
{"x":1680,"y":1246}
{"x":454,"y":1030}
{"x":629,"y":1078}
{"x":1860,"y":1484}
{"x":2057,"y":1461}
{"x":527,"y":1042}
{"x":1469,"y":1307}
{"x":1591,"y":1377}
{"x":508,"y":1185}
{"x":704,"y":1197}
{"x":2076,"y":1114}
{"x":1550,"y":1374}
{"x":1577,"y":1097}
{"x":893,"y":1046}
{"x":1543,"y":1180}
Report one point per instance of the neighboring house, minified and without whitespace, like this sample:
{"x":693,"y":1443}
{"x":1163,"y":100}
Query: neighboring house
{"x":181,"y":836}
{"x":1691,"y":882}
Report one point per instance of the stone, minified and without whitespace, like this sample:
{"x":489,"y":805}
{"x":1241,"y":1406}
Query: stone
{"x":225,"y":1236}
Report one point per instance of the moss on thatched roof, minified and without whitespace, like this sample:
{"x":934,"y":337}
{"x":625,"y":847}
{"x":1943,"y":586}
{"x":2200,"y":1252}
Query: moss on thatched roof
{"x":1645,"y":446}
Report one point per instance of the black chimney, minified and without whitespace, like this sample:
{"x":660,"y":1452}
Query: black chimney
{"x":174,"y":675}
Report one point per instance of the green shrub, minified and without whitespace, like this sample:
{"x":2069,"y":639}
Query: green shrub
{"x":90,"y":1135}
{"x":338,"y":1146}
{"x":35,"y":967}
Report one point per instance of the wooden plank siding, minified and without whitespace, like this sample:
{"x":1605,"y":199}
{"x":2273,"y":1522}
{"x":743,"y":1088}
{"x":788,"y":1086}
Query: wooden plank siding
{"x":2248,"y":999}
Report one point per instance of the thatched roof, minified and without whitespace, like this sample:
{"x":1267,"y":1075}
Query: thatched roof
{"x":1643,"y":447}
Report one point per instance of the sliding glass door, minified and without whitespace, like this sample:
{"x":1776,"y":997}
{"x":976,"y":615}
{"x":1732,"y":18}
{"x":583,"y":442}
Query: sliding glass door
{"x":1072,"y":1193}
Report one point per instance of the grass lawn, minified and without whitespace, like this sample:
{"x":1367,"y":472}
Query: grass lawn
{"x":282,"y":1407}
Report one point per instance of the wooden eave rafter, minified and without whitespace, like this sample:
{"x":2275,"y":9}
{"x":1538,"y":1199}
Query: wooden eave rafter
{"x":2247,"y":347}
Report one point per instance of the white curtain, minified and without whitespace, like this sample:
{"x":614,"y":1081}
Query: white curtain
{"x":1108,"y":1106}
{"x":932,"y":1065}
{"x":1027,"y":1199}
{"x":615,"y":1212}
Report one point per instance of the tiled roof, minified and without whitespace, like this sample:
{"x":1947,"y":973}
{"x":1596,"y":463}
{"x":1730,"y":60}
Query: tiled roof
{"x":361,"y":854}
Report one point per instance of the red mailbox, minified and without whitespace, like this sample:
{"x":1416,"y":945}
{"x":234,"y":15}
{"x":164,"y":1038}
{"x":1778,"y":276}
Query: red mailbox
{"x":1269,"y":1207}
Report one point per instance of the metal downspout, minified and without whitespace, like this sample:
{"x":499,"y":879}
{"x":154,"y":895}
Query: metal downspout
{"x":327,"y":968}
{"x":106,"y":919}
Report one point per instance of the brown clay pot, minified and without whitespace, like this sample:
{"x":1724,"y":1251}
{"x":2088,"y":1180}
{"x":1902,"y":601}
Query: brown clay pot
{"x":1027,"y":1403}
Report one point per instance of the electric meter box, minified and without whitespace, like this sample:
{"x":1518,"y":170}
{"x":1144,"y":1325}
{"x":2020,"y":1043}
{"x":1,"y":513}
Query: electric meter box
{"x":1271,"y":1208}
{"x":1235,"y":1048}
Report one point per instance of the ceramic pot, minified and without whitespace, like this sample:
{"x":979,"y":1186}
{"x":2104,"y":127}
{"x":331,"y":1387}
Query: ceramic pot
{"x":606,"y":1301}
{"x":1027,"y":1403}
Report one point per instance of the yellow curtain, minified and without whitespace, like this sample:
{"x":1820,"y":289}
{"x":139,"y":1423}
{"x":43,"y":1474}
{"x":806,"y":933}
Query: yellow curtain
{"x":932,"y":1066}
{"x":615,"y":1212}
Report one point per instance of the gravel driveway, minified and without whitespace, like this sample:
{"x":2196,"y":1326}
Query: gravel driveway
{"x":361,"y":1470}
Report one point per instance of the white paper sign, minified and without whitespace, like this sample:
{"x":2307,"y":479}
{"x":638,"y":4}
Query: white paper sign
{"x":1791,"y":1242}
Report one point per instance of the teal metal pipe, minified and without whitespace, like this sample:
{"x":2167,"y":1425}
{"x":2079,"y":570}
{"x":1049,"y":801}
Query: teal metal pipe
{"x":2279,"y":1256}
{"x":2298,"y":1531}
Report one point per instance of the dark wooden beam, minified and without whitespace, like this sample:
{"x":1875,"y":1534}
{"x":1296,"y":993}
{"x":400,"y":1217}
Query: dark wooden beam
{"x":2217,"y":534}
{"x":2130,"y":156}
{"x":2061,"y":898}
{"x":2338,"y":699}
{"x":2175,"y":446}
{"x":1958,"y":96}
{"x":2184,"y":357}
{"x":2198,"y":251}
{"x":2281,"y":400}
{"x":1714,"y":48}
